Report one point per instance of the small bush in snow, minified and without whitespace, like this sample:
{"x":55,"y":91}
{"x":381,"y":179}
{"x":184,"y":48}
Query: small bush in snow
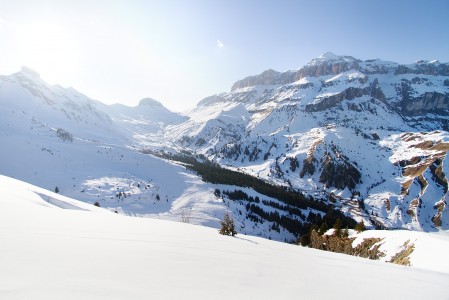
{"x":64,"y":135}
{"x":186,"y":215}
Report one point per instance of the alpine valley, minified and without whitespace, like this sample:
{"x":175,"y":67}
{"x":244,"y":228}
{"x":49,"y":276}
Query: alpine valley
{"x":338,"y":138}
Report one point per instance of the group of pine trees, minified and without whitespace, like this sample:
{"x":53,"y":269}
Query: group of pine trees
{"x":293,"y":220}
{"x":293,"y":201}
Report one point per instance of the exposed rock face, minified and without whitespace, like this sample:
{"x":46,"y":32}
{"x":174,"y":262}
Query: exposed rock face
{"x":316,"y":68}
{"x":269,"y":77}
{"x":430,"y":102}
{"x":424,"y":68}
{"x":424,"y":171}
{"x":348,"y":94}
{"x":416,"y":96}
{"x":337,"y":171}
{"x":326,"y":68}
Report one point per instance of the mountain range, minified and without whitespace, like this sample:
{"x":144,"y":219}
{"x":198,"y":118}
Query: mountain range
{"x":367,"y":138}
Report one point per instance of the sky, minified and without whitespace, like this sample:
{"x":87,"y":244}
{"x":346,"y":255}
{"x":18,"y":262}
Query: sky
{"x":179,"y":52}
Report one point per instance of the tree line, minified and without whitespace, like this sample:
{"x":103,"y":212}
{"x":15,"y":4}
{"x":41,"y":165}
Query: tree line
{"x":293,"y":201}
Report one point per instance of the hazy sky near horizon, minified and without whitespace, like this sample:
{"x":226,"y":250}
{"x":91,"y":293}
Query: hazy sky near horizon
{"x":179,"y":52}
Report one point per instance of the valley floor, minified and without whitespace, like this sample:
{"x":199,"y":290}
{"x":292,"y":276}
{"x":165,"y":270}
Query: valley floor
{"x":53,"y":247}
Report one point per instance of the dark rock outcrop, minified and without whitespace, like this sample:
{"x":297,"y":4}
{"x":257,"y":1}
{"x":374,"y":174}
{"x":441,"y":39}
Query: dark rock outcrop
{"x":430,"y":102}
{"x":350,"y":93}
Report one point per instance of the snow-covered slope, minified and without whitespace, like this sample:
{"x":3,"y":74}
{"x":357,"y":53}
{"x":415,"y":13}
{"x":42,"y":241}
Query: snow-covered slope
{"x":369,"y":135}
{"x":54,"y":247}
{"x":96,"y":157}
{"x":58,"y":138}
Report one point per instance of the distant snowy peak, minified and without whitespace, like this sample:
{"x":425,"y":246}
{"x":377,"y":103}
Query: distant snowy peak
{"x":150,"y":102}
{"x":144,"y":116}
{"x":331,"y":57}
{"x":30,"y":72}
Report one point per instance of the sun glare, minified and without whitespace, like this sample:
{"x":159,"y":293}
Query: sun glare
{"x":48,"y":49}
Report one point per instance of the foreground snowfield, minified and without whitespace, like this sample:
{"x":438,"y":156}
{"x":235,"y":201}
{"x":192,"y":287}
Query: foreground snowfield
{"x":53,"y":247}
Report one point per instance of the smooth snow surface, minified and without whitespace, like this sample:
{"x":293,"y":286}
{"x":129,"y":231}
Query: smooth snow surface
{"x":53,"y":247}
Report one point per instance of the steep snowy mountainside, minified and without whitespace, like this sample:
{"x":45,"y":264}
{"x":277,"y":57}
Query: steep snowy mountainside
{"x":326,"y":129}
{"x":27,"y":102}
{"x":55,"y":247}
{"x":26,"y":96}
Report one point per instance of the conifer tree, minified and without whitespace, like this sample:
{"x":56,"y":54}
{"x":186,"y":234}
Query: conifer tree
{"x":227,"y":225}
{"x":359,"y":227}
{"x":337,"y":227}
{"x":305,"y":240}
{"x":323,"y":228}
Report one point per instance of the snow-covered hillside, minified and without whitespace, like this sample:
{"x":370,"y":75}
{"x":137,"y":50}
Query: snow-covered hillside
{"x":55,"y":247}
{"x":370,"y":135}
{"x":61,"y":140}
{"x":57,"y":138}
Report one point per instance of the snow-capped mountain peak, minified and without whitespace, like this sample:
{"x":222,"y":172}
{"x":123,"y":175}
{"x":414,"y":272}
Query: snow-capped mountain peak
{"x":150,"y":102}
{"x":30,"y":72}
{"x":331,"y":58}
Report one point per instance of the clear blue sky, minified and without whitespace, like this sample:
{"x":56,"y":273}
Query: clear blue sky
{"x":179,"y":52}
